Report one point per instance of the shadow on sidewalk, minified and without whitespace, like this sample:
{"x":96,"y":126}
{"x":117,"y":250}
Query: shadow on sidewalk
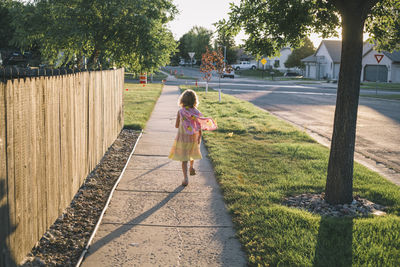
{"x":152,"y":170}
{"x":134,"y":222}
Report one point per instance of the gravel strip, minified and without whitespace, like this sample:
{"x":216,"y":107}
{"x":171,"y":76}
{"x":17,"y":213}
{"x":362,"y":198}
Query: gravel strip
{"x":64,"y":242}
{"x":315,"y":203}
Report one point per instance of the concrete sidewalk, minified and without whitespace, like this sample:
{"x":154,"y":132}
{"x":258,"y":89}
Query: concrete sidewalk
{"x":152,"y":220}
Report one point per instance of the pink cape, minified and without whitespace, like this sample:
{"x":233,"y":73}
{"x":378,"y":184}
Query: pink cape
{"x":193,"y":121}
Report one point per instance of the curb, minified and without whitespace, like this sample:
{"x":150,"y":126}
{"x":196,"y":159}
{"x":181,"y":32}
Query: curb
{"x":106,"y":206}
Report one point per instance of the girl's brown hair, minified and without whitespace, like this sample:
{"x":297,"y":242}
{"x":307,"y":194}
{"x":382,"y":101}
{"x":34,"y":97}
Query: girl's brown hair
{"x":188,"y":99}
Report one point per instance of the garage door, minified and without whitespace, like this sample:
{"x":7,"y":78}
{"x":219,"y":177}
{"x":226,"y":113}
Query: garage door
{"x":373,"y":73}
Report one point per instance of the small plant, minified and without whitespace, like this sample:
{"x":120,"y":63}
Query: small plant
{"x":210,"y":61}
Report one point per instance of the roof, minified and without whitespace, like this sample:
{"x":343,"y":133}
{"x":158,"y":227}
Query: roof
{"x":334,"y":48}
{"x":311,"y":58}
{"x":394,"y":56}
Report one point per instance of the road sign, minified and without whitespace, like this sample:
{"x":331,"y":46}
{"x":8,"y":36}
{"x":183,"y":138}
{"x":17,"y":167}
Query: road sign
{"x":191,"y":54}
{"x":263,"y":61}
{"x":378,"y":58}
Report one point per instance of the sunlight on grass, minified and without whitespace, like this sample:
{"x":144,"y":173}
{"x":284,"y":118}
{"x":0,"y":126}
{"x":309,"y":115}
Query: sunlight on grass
{"x":259,"y":159}
{"x":139,"y":102}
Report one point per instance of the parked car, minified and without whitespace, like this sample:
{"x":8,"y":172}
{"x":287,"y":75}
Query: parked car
{"x":16,"y":58}
{"x":187,"y":62}
{"x":244,"y":65}
{"x":228,"y":73}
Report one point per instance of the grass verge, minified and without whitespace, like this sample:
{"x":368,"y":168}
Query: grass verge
{"x":139,"y":102}
{"x":392,"y":97}
{"x":258,"y":73}
{"x":259,"y":159}
{"x":183,"y":77}
{"x":380,"y":86}
{"x":157,"y":76}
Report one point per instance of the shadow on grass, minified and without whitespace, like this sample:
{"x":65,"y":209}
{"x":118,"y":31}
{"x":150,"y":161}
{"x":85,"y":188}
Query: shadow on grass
{"x":133,"y":126}
{"x":334,"y":242}
{"x":6,"y":228}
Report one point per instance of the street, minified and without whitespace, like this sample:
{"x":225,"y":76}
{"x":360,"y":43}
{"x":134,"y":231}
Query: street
{"x":311,"y":107}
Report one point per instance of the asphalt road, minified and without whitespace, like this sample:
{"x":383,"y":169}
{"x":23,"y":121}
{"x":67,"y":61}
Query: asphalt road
{"x":312,"y":106}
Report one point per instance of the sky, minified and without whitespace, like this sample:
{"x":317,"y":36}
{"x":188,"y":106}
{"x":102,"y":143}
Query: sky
{"x":205,"y":13}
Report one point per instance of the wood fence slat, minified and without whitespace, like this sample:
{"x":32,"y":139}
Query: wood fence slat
{"x":11,"y":240}
{"x":41,"y":159}
{"x":27,"y":177}
{"x":4,"y":206}
{"x":19,"y":151}
{"x":31,"y":176}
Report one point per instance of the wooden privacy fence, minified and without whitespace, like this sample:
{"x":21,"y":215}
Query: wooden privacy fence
{"x":53,"y":132}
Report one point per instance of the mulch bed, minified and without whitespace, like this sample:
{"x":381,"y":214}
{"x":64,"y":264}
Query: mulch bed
{"x":63,"y":243}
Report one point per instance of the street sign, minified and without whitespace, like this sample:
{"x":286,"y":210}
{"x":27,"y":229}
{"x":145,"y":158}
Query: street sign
{"x":263,"y":61}
{"x":378,"y":58}
{"x":191,"y":54}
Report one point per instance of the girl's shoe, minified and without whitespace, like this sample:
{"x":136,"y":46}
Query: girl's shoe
{"x":185,"y":183}
{"x":192,"y":171}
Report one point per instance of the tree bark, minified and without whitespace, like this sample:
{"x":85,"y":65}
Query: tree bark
{"x":339,"y":184}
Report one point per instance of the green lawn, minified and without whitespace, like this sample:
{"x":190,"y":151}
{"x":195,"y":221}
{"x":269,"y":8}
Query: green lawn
{"x":380,"y":86}
{"x":266,"y":75}
{"x":157,"y":76}
{"x":258,"y":73}
{"x":183,"y":77}
{"x":139,"y":102}
{"x":259,"y":159}
{"x":393,"y":97}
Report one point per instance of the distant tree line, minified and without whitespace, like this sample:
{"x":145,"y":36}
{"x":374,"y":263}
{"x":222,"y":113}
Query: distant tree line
{"x":129,"y":33}
{"x":199,"y":39}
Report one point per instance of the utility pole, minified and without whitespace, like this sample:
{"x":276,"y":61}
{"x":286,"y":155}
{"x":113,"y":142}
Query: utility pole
{"x":224,"y":55}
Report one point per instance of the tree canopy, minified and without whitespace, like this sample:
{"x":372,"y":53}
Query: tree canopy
{"x":294,"y":59}
{"x":226,"y":40}
{"x":197,"y":40}
{"x":6,"y":29}
{"x":126,"y":33}
{"x":273,"y":24}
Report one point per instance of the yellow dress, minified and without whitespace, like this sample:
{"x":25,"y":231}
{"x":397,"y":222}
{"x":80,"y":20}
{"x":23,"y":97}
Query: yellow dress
{"x":186,"y":146}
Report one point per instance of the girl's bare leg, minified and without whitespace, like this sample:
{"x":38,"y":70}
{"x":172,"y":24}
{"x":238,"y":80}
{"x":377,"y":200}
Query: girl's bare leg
{"x":185,"y":174}
{"x":191,"y":170}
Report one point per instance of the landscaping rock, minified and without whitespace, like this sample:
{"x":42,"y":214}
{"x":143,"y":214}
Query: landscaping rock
{"x":63,"y":243}
{"x":315,"y":203}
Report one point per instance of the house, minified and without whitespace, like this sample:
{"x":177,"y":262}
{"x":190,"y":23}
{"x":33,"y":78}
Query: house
{"x":386,"y":70}
{"x":325,"y":63}
{"x":277,"y":62}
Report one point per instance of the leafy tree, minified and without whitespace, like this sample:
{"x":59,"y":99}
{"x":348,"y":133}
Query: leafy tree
{"x":272,"y":24}
{"x":224,"y":39}
{"x":197,"y":40}
{"x":294,"y":59}
{"x":6,"y":29}
{"x":108,"y":33}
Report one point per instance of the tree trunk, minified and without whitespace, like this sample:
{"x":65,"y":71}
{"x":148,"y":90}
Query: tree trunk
{"x":339,"y":184}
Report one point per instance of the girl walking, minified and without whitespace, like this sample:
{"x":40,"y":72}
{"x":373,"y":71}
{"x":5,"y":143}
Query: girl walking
{"x":190,"y":122}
